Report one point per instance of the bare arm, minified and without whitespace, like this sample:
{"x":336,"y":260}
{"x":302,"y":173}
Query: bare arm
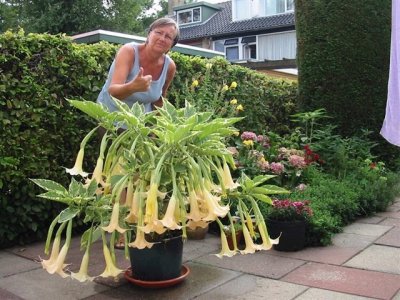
{"x":121,"y":89}
{"x":170,"y":76}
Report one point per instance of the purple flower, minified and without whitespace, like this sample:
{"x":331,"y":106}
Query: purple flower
{"x":248,"y":135}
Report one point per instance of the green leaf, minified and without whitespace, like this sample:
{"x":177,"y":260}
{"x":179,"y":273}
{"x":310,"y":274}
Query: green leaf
{"x":262,"y":197}
{"x":50,"y":185}
{"x":68,"y":214}
{"x":90,"y":108}
{"x":55,"y":196}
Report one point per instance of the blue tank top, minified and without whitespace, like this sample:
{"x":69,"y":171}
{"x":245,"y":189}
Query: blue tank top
{"x":145,"y":98}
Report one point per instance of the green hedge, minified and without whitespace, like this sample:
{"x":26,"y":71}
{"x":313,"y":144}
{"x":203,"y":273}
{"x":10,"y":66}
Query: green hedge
{"x":343,"y":61}
{"x":41,"y":133}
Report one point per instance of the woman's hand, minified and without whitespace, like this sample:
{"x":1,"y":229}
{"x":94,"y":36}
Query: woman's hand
{"x":141,"y":83}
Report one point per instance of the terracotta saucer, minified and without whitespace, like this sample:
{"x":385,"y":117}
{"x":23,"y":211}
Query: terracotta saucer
{"x":159,"y":283}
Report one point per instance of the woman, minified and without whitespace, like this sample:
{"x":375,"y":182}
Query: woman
{"x":143,"y":72}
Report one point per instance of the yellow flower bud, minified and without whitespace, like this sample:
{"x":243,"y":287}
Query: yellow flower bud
{"x":233,"y":85}
{"x":248,"y":143}
{"x":236,"y":133}
{"x":225,"y":88}
{"x":239,"y":107}
{"x":195,"y":83}
{"x":208,"y":66}
{"x":233,"y":101}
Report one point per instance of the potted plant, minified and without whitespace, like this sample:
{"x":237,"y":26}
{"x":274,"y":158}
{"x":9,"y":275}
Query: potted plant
{"x":287,"y":219}
{"x":172,"y":167}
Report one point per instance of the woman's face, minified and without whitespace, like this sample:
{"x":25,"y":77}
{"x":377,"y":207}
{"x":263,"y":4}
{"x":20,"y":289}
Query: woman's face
{"x":162,"y":37}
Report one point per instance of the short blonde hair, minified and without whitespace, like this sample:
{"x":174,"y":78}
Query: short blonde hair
{"x":163,"y":22}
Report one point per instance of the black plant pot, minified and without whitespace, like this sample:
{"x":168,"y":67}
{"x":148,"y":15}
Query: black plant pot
{"x":163,"y":261}
{"x":293,"y":234}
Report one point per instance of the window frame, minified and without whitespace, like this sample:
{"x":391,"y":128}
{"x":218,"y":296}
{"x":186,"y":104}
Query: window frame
{"x":191,"y":10}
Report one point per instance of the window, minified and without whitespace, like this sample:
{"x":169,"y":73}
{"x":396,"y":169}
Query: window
{"x":246,"y":9}
{"x":189,"y":16}
{"x":232,"y":53}
{"x":249,"y":47}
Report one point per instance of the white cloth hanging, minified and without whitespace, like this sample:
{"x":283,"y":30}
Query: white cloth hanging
{"x":391,"y":125}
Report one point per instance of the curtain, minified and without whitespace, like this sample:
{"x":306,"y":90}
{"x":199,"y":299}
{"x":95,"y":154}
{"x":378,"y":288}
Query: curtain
{"x":391,"y":125}
{"x":277,"y":46}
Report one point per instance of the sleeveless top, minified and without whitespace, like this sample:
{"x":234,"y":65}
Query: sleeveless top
{"x":145,"y":98}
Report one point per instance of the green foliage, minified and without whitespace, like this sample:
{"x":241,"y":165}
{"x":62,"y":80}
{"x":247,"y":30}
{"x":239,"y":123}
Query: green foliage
{"x":39,"y":129}
{"x":267,"y":102}
{"x":343,"y":61}
{"x":72,"y":17}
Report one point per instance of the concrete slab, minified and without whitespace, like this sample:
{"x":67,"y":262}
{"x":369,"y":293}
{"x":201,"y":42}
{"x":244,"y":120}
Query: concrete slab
{"x":377,"y":258}
{"x":394,"y":208}
{"x":6,"y":295}
{"x":313,"y":294}
{"x":260,"y":263}
{"x":202,"y":278}
{"x":249,"y":287}
{"x":370,"y":220}
{"x":330,"y":254}
{"x":397,"y":297}
{"x":389,"y":214}
{"x":391,"y":222}
{"x":193,"y":249}
{"x":351,"y":240}
{"x":11,"y":264}
{"x":37,"y":284}
{"x":346,"y":280}
{"x":391,"y":238}
{"x":366,"y":229}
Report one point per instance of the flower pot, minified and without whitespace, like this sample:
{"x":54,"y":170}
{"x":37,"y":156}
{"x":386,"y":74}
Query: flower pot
{"x":163,"y":261}
{"x":293,"y":234}
{"x":239,"y":237}
{"x":199,"y":233}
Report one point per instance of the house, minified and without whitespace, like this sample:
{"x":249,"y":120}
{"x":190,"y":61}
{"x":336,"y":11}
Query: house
{"x":259,"y":34}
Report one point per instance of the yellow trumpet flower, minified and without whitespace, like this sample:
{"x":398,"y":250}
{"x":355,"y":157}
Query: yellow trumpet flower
{"x":114,"y":221}
{"x":233,"y":85}
{"x":215,"y":210}
{"x":227,"y":178}
{"x":58,"y":265}
{"x":169,"y":219}
{"x":250,"y":246}
{"x":194,"y":224}
{"x":267,"y":241}
{"x":111,"y":270}
{"x":77,"y":169}
{"x":225,"y":250}
{"x":140,"y":241}
{"x":55,"y":250}
{"x":194,"y":214}
{"x":151,"y":216}
{"x":82,"y":275}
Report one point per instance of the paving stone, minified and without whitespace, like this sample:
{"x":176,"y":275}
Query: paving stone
{"x":260,"y":263}
{"x":366,"y":229}
{"x":330,"y":254}
{"x":193,"y":249}
{"x":202,"y":278}
{"x":313,"y":294}
{"x":391,"y":222}
{"x":389,"y":214}
{"x":377,"y":258}
{"x":249,"y":287}
{"x":346,"y":280}
{"x":391,"y":238}
{"x":11,"y":264}
{"x":37,"y":284}
{"x":393,"y":208}
{"x":397,"y":297}
{"x":6,"y":295}
{"x":370,"y":220}
{"x":350,"y":240}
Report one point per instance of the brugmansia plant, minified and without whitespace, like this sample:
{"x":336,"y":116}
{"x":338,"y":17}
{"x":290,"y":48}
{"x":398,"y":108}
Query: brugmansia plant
{"x":172,"y":168}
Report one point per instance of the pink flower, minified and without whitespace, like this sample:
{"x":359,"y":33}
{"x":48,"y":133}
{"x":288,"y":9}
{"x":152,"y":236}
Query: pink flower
{"x":248,"y":135}
{"x":297,"y":161}
{"x":276,"y":168}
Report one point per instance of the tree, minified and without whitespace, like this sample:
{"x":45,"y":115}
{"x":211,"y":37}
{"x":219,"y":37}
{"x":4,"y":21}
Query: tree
{"x":74,"y":16}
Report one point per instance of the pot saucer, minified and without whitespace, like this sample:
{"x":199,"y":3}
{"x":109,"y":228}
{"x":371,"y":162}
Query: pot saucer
{"x":158,"y":283}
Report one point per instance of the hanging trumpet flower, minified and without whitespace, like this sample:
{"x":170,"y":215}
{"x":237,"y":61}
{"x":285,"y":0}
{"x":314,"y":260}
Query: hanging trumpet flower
{"x":168,"y":171}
